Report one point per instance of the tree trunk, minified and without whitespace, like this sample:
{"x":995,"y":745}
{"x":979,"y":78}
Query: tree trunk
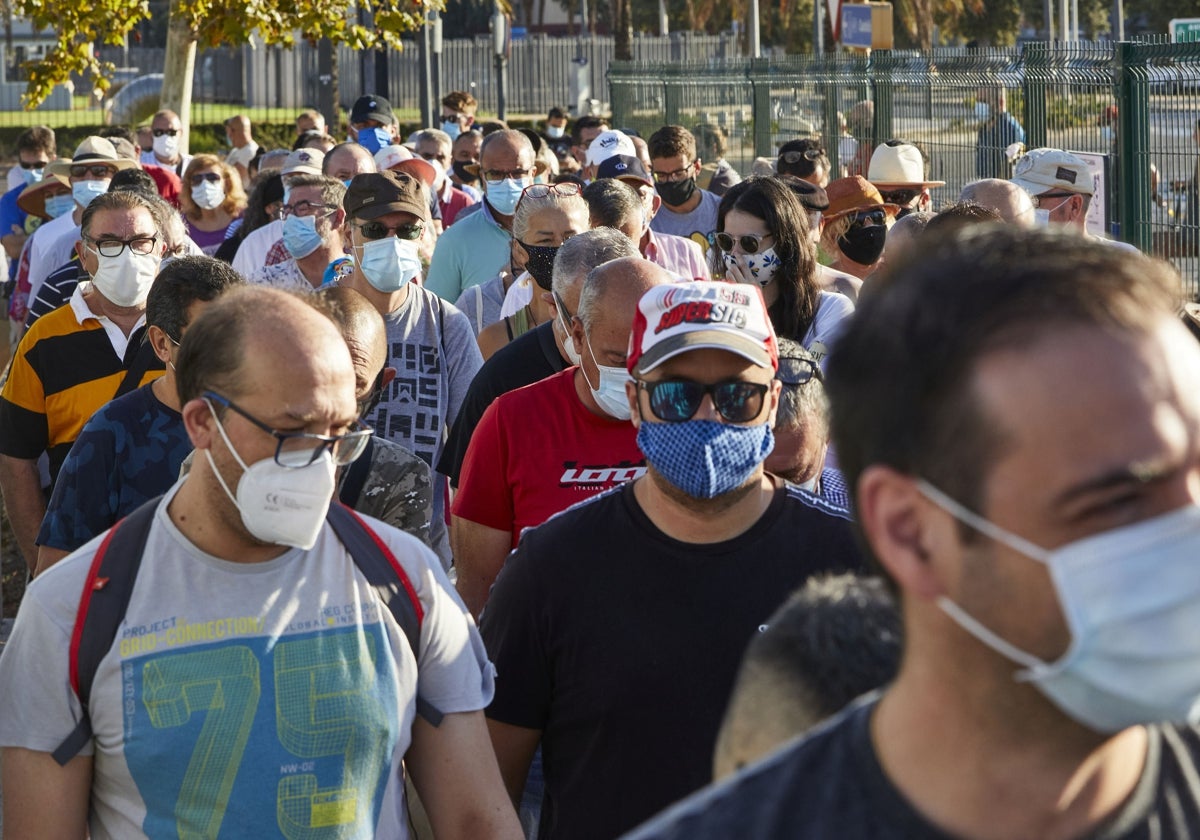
{"x":179,"y":67}
{"x":623,"y":36}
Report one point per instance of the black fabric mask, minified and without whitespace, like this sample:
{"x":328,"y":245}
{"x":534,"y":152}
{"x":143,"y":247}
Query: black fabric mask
{"x":864,"y":245}
{"x":676,"y":193}
{"x":460,"y":169}
{"x":540,"y":263}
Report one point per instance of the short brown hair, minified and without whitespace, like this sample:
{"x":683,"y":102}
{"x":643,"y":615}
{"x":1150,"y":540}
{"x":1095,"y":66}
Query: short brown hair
{"x":40,"y":138}
{"x":672,"y":141}
{"x":461,"y":101}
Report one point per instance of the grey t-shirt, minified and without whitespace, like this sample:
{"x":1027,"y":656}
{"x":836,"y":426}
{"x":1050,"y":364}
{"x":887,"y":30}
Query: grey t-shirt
{"x":701,"y":220}
{"x":830,"y":785}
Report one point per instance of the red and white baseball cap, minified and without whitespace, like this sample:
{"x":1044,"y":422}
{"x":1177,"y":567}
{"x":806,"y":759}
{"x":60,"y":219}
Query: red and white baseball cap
{"x":677,"y":317}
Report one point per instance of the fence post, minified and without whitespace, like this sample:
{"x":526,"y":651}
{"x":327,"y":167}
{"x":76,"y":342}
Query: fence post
{"x":672,"y":93}
{"x":760,"y":81}
{"x":1133,"y":144}
{"x":621,"y":77}
{"x":1036,"y":57}
{"x":832,"y":132}
{"x":880,"y":66}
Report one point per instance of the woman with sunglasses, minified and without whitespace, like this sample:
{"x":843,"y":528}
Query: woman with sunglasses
{"x":547,"y":215}
{"x":856,"y":226}
{"x":212,"y":200}
{"x":762,"y":239}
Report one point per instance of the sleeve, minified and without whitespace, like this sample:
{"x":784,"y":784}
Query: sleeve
{"x":40,"y":259}
{"x":454,"y":674}
{"x":40,"y":707}
{"x":512,"y":631}
{"x":10,"y":213}
{"x":24,"y":431}
{"x":444,"y":277}
{"x":484,"y":492}
{"x":464,"y":360}
{"x":84,"y":502}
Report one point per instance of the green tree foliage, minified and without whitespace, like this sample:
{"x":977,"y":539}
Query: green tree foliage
{"x":995,"y":23}
{"x":1159,"y":13}
{"x":81,"y":23}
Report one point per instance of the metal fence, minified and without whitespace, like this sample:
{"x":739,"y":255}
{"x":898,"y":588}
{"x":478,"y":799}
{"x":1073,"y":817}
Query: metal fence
{"x":1132,"y":108}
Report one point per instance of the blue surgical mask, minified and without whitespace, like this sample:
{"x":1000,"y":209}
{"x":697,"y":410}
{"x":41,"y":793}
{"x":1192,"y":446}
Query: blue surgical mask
{"x":452,"y":128}
{"x":32,"y":176}
{"x":609,"y":392}
{"x":300,"y":235}
{"x":374,"y":139}
{"x":389,"y":263}
{"x":504,"y":195}
{"x":59,"y":205}
{"x":84,"y":191}
{"x":705,"y":458}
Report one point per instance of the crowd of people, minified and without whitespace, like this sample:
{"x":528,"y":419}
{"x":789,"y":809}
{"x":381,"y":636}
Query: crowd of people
{"x":501,"y":483}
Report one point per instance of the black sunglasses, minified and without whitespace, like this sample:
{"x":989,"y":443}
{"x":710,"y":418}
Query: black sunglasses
{"x":810,"y":155}
{"x":677,"y":400}
{"x":900,"y":197}
{"x":877,"y":217}
{"x":96,"y":170}
{"x":750,"y":242}
{"x":378,"y":230}
{"x":169,"y":132}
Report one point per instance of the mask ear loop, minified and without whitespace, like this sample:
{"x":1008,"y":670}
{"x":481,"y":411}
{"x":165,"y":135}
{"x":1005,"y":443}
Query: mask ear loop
{"x":211,"y":463}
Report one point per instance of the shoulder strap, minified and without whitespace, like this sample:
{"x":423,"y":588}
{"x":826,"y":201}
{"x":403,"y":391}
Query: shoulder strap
{"x":102,"y":607}
{"x":384,"y":572}
{"x":356,"y":476}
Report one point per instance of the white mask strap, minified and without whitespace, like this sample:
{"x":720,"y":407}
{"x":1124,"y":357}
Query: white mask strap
{"x":229,"y":446}
{"x":1009,"y":651}
{"x":983,"y":526}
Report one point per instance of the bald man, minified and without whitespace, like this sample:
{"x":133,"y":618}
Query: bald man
{"x":1012,"y":203}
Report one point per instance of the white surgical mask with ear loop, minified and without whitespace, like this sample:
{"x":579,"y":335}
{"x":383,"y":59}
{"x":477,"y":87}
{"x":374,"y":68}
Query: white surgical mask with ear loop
{"x":609,"y":393}
{"x":1131,"y":600}
{"x":126,"y":278}
{"x":568,"y":342}
{"x":281,"y":505}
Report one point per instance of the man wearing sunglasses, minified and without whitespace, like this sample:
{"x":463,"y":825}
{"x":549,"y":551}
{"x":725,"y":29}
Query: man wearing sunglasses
{"x":261,"y":687}
{"x":166,"y":129}
{"x":430,"y":342}
{"x":621,"y":621}
{"x":897,"y":170}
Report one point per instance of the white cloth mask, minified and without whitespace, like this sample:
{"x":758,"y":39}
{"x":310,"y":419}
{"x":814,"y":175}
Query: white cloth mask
{"x":1131,"y":600}
{"x":280,"y":505}
{"x":166,"y":146}
{"x":761,"y":266}
{"x":126,"y":278}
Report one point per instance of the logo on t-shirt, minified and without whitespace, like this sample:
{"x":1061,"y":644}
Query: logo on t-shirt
{"x":594,"y":474}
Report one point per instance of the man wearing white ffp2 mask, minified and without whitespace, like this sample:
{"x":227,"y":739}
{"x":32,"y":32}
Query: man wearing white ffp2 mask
{"x":1026,"y":469}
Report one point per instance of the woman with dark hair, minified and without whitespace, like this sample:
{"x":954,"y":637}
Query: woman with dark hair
{"x":762,"y":238}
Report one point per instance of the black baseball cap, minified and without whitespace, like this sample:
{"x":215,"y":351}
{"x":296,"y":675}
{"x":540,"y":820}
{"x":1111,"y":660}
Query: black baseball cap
{"x":374,"y":194}
{"x":624,"y":167}
{"x":372,"y":107}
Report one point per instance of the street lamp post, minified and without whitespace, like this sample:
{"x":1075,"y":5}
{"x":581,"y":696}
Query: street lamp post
{"x":499,"y":44}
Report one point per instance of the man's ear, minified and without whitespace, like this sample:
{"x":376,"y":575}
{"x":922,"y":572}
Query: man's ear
{"x":159,"y":342}
{"x":200,"y":423}
{"x":389,"y":375}
{"x":578,"y":335}
{"x":906,"y":532}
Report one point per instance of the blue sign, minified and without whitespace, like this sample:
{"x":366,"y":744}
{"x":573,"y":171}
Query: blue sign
{"x":856,"y":26}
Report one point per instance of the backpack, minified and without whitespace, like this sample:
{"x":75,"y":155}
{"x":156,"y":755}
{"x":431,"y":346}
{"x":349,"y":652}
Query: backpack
{"x":110,"y":580}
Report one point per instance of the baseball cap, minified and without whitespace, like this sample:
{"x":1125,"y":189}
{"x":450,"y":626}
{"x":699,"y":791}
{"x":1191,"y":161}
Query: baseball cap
{"x":306,"y":161}
{"x":1043,"y":170}
{"x":624,"y":168}
{"x":402,"y":160}
{"x":901,"y":165}
{"x":374,"y":194}
{"x":704,"y":314}
{"x":372,"y":107}
{"x":607,"y":144}
{"x":811,"y":196}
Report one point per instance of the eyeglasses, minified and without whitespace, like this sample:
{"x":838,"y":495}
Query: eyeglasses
{"x":114,"y":247}
{"x":868,"y":217}
{"x":1038,"y":199}
{"x":750,"y":242}
{"x":438,"y":156}
{"x":901,"y":197}
{"x":200,"y":177}
{"x":299,"y":449}
{"x":169,"y":132}
{"x":542,"y":190}
{"x":675,"y":175}
{"x":562,"y":307}
{"x":96,"y":170}
{"x":796,"y":371}
{"x":677,"y":400}
{"x":453,"y":117}
{"x":37,"y":164}
{"x":378,"y":230}
{"x":506,"y":174}
{"x":304,"y":208}
{"x":810,"y":155}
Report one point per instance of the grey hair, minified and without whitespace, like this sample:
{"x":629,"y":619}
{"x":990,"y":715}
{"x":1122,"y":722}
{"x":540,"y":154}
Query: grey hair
{"x":333,"y":191}
{"x":437,"y":136}
{"x":802,"y":406}
{"x":528,"y":206}
{"x":612,"y":203}
{"x":583,"y":252}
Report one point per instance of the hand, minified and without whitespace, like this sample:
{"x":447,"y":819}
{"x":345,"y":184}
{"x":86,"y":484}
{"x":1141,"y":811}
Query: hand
{"x":735,"y":273}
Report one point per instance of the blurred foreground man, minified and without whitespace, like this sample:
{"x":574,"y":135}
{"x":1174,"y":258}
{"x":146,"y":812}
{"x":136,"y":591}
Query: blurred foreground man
{"x":1018,"y":413}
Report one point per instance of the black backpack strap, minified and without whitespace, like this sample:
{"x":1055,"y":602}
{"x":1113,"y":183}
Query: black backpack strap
{"x":102,"y":607}
{"x":356,"y":476}
{"x":385,"y":574}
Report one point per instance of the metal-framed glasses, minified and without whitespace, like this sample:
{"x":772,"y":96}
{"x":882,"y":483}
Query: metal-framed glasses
{"x":795,"y":372}
{"x":795,"y":156}
{"x":378,"y":230}
{"x":114,"y":247}
{"x":506,"y":174}
{"x":565,"y":190}
{"x":305,"y":208}
{"x":750,"y":242}
{"x":295,"y":450}
{"x":1039,"y":200}
{"x":677,"y":400}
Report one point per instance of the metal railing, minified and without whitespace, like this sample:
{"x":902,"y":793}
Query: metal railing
{"x":1132,"y":108}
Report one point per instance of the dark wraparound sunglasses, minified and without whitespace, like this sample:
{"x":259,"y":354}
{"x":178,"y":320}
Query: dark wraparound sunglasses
{"x":677,"y":400}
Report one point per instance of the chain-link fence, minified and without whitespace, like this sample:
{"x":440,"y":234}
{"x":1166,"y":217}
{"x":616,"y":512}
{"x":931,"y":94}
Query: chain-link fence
{"x":1130,"y":109}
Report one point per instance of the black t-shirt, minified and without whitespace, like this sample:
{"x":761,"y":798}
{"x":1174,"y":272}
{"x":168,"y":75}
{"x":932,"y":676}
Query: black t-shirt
{"x":622,"y":644}
{"x":530,"y":358}
{"x":830,"y":785}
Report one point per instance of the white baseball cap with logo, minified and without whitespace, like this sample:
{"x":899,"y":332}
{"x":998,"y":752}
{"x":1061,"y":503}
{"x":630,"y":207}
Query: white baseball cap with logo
{"x":609,"y":143}
{"x":1048,"y":170}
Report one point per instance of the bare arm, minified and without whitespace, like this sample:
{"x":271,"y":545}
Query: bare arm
{"x":479,"y":553}
{"x":455,"y":773}
{"x":24,"y":502}
{"x":13,"y":242}
{"x":514,"y":746}
{"x":42,"y":799}
{"x":47,"y":557}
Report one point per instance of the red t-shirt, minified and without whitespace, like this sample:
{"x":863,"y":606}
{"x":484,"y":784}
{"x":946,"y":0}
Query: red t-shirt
{"x":537,"y":450}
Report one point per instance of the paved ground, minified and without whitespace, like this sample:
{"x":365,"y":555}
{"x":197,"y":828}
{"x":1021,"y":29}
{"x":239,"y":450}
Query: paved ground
{"x":5,"y":629}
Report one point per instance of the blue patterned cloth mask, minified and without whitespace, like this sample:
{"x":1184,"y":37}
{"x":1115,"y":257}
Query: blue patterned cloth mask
{"x":705,"y":458}
{"x":760,"y":266}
